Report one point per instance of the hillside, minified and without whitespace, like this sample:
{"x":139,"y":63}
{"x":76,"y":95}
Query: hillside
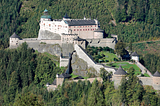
{"x":136,"y":20}
{"x":24,"y":72}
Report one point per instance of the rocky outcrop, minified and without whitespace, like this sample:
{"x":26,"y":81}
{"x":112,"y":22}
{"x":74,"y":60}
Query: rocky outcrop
{"x":45,"y":34}
{"x":52,"y":49}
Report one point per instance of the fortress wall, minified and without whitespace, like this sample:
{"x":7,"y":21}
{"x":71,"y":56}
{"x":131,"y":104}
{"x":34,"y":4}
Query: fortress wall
{"x":144,"y":70}
{"x":89,"y":79}
{"x":101,"y":42}
{"x":83,"y":55}
{"x":63,"y":61}
{"x":31,"y":43}
{"x":51,"y":41}
{"x":156,"y":83}
{"x":146,"y":80}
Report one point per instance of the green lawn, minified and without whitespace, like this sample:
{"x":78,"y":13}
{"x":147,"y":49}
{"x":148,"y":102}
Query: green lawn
{"x":146,"y":75}
{"x":126,"y":66}
{"x":108,"y":56}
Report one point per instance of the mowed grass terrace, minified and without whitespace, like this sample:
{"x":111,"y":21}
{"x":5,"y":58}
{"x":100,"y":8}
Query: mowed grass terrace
{"x":126,"y":66}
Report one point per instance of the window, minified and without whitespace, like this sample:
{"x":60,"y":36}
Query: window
{"x":74,"y":29}
{"x":80,"y":29}
{"x":77,"y":29}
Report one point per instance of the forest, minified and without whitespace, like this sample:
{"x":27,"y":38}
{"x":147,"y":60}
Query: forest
{"x":24,"y":73}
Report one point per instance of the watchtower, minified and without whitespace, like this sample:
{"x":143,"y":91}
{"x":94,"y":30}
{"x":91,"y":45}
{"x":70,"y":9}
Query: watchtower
{"x":117,"y":77}
{"x":156,"y":79}
{"x":14,"y":39}
{"x":45,"y":17}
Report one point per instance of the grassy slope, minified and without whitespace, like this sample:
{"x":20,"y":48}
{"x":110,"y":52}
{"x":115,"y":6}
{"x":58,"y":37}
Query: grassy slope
{"x":109,"y":56}
{"x":152,"y":47}
{"x":126,"y":66}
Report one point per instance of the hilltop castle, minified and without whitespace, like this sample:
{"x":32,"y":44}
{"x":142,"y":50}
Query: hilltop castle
{"x":66,"y":32}
{"x":76,"y":34}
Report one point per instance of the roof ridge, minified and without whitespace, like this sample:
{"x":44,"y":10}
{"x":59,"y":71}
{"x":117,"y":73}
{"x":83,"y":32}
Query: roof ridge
{"x":156,"y":74}
{"x":120,"y":71}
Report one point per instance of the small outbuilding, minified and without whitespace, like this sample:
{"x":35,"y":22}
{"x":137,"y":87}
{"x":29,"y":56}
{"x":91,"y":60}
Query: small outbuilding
{"x":135,"y":56}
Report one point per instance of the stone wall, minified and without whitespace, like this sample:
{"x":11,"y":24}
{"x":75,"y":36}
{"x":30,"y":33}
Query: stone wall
{"x":47,"y":41}
{"x":146,"y":80}
{"x":88,"y":79}
{"x":101,"y":42}
{"x":144,"y":70}
{"x":63,"y":61}
{"x":117,"y":80}
{"x":90,"y":62}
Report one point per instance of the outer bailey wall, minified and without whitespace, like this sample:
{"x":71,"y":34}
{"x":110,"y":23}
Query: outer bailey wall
{"x":101,"y":42}
{"x":89,"y":79}
{"x":89,"y":61}
{"x":156,"y":83}
{"x":146,"y":80}
{"x":52,"y":41}
{"x":143,"y":69}
{"x":63,"y":61}
{"x":151,"y":81}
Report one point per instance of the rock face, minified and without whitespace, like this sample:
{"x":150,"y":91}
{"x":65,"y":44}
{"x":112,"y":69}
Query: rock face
{"x":67,"y":48}
{"x":80,"y":67}
{"x":44,"y":34}
{"x":52,"y":49}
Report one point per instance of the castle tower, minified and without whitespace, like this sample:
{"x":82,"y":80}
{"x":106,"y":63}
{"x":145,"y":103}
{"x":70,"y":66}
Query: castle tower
{"x":66,"y":17}
{"x":60,"y":78}
{"x":98,"y":33}
{"x":156,"y":80}
{"x":14,"y":39}
{"x":117,"y":77}
{"x":45,"y":17}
